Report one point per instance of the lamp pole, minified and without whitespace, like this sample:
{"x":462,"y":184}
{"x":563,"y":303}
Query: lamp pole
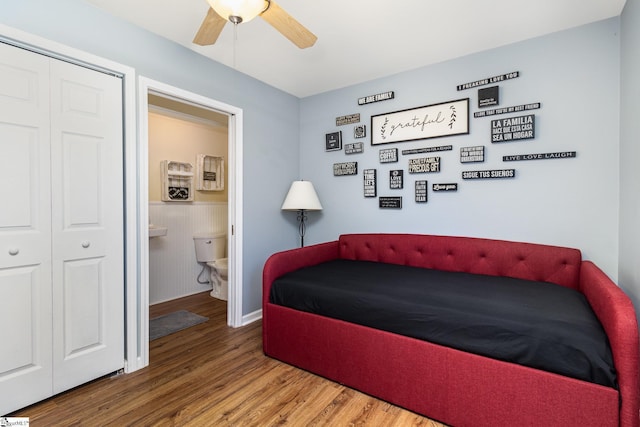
{"x":302,"y":227}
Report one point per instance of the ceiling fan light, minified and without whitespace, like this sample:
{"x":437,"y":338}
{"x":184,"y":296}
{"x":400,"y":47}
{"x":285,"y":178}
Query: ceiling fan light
{"x":244,"y":9}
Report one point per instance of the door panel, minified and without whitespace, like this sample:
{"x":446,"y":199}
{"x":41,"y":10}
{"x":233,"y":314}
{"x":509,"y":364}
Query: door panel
{"x":25,"y":229}
{"x":87,"y":227}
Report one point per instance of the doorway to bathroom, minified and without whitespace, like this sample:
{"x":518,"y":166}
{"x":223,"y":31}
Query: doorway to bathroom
{"x":192,"y":115}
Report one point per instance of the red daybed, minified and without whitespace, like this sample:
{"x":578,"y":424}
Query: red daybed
{"x":449,"y":385}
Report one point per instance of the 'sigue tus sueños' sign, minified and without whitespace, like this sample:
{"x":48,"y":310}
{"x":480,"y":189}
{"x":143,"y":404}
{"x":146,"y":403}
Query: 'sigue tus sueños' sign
{"x":431,"y":121}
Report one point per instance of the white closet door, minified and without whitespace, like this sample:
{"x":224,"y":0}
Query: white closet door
{"x":25,"y":231}
{"x":87,"y":224}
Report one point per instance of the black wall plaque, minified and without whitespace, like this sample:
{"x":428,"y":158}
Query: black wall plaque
{"x":490,"y":174}
{"x":370,"y":183}
{"x":390,"y":202}
{"x":472,"y":154}
{"x":540,"y":156}
{"x":507,"y":110}
{"x":347,"y":168}
{"x":513,"y":128}
{"x":348,"y":119}
{"x":333,"y":141}
{"x":488,"y":96}
{"x":427,"y":150}
{"x":424,"y":165}
{"x":396,"y":179}
{"x":356,"y":147}
{"x":388,"y":155}
{"x":445,"y":187}
{"x":489,"y":80}
{"x":421,"y":191}
{"x":384,"y":96}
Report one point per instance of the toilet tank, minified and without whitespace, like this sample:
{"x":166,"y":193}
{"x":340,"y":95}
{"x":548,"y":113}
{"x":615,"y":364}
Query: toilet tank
{"x":209,"y":246}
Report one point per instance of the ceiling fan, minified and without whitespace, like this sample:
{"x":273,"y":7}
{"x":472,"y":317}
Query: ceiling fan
{"x":238,"y":11}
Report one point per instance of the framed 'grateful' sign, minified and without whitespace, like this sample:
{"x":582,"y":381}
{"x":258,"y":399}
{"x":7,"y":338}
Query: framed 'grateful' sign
{"x":431,"y":121}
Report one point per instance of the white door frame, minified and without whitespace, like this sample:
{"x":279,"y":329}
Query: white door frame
{"x":234,"y":228}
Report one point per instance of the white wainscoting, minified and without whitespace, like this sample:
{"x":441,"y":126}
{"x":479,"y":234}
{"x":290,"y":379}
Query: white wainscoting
{"x":173,"y":269}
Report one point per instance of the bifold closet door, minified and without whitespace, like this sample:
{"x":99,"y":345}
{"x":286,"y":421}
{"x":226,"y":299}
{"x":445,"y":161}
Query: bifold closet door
{"x":25,"y":228}
{"x":87,"y":224}
{"x":61,"y":226}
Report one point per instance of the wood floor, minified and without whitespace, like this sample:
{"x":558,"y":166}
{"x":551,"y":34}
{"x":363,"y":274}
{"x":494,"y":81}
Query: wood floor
{"x":213,"y":375}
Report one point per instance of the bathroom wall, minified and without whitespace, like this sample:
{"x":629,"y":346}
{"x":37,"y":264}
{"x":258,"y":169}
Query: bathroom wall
{"x":178,"y":136}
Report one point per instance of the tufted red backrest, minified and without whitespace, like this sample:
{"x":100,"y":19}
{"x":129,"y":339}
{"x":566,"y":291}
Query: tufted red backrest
{"x":529,"y":261}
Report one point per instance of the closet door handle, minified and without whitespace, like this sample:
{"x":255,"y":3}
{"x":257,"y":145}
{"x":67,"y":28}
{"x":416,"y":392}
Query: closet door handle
{"x":14,"y":251}
{"x":86,"y":244}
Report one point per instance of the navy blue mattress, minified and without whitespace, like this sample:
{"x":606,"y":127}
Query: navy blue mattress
{"x":536,"y":324}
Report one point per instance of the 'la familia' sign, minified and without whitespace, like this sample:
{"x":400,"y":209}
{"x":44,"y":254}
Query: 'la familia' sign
{"x":513,"y":128}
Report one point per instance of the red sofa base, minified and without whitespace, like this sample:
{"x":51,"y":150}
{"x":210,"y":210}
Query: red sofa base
{"x":444,"y":384}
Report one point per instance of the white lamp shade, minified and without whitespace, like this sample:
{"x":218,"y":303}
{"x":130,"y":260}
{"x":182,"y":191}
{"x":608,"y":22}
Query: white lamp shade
{"x":301,"y":195}
{"x":245,"y":9}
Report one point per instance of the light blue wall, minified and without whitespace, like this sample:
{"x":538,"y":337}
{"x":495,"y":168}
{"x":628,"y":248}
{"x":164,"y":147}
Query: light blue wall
{"x":270,"y":115}
{"x":629,"y":272}
{"x":571,"y":202}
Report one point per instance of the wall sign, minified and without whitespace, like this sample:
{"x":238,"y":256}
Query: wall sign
{"x":445,"y":187}
{"x":424,"y":165}
{"x":396,"y":179}
{"x":370,"y":183}
{"x":472,"y":154}
{"x":490,"y":174}
{"x":384,"y":96}
{"x":390,"y":202}
{"x":421,"y":191}
{"x":347,"y":168}
{"x":333,"y":141}
{"x":431,"y":121}
{"x":488,"y":96}
{"x":388,"y":155}
{"x":513,"y":128}
{"x":360,"y":131}
{"x":348,"y":119}
{"x":428,"y":150}
{"x":489,"y":80}
{"x":541,"y":156}
{"x":356,"y":147}
{"x":507,"y":110}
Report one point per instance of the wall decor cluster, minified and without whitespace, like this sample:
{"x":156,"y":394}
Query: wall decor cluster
{"x":443,"y":119}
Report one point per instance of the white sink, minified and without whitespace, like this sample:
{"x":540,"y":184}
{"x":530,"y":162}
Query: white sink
{"x":156,"y":231}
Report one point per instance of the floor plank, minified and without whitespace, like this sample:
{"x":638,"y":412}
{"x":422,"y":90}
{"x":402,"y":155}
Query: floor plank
{"x":214,"y":375}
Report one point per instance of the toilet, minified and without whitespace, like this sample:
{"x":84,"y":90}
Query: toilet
{"x":210,"y":250}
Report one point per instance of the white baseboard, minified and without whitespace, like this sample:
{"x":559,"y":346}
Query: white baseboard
{"x":251,"y":317}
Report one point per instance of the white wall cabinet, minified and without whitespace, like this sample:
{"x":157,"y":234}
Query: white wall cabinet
{"x":61,"y":226}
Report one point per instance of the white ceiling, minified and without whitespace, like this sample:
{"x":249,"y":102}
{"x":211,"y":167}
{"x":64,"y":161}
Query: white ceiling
{"x":360,"y":40}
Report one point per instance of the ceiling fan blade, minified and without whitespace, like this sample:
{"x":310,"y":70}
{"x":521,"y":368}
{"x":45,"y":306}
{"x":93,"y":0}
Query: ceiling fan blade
{"x":210,"y":29}
{"x":288,"y":27}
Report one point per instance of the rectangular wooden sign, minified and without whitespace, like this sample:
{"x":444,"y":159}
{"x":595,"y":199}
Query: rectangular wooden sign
{"x":421,"y":191}
{"x":384,"y":96}
{"x":348,"y":119}
{"x":489,"y":80}
{"x":513,"y":129}
{"x":388,"y":155}
{"x":424,"y":165}
{"x":490,"y":174}
{"x":354,"y":148}
{"x":431,"y":121}
{"x":427,"y":150}
{"x":507,"y":110}
{"x":370,"y":183}
{"x":472,"y":154}
{"x":396,"y":181}
{"x":540,"y":156}
{"x":390,"y":202}
{"x":347,"y":168}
